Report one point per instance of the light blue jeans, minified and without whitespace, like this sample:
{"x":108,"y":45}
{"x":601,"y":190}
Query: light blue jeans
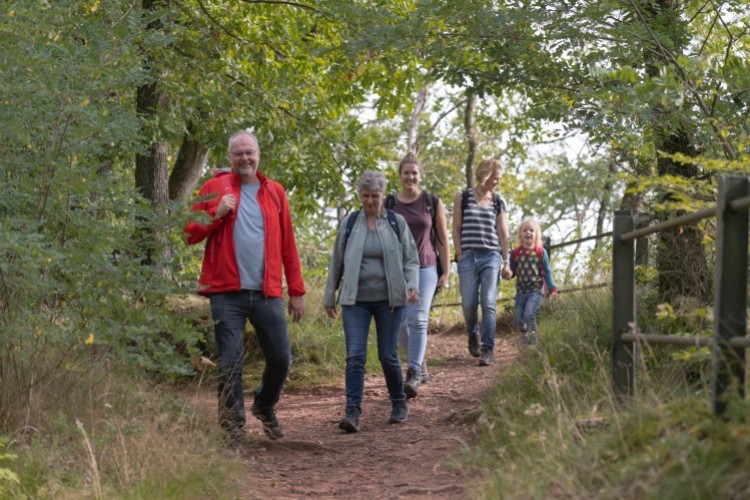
{"x":357,"y":319}
{"x":412,"y":335}
{"x":524,"y":315}
{"x":478,"y":273}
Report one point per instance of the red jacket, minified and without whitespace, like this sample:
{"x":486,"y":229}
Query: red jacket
{"x":220,"y":272}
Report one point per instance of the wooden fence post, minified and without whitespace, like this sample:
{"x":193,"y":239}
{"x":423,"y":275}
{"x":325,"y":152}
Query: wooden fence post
{"x":623,"y":305}
{"x":730,"y":317}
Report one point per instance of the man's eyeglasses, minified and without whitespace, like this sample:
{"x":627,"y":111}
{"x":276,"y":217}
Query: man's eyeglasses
{"x":240,"y":154}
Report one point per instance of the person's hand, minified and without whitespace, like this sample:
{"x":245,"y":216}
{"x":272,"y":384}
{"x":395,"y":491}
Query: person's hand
{"x":297,"y":307}
{"x":226,"y":205}
{"x":412,"y":296}
{"x":443,"y":281}
{"x":553,"y":293}
{"x":507,"y":273}
{"x":332,"y":312}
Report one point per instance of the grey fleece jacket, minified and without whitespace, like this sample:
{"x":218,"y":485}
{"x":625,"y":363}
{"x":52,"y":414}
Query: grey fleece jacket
{"x":400,"y":259}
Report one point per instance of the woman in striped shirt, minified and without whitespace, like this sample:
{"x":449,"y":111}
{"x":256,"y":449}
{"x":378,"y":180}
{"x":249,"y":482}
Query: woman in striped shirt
{"x":480,"y":236}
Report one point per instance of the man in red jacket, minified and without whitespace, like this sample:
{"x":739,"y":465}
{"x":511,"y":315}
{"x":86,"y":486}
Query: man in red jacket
{"x":249,"y":239}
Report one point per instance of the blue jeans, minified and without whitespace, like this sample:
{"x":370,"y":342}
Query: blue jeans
{"x":230,"y":313}
{"x":356,"y":321}
{"x":524,"y":315}
{"x":478,"y":273}
{"x":413,"y":332}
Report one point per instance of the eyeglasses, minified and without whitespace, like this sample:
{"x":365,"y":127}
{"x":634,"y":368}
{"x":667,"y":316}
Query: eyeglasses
{"x":240,"y":154}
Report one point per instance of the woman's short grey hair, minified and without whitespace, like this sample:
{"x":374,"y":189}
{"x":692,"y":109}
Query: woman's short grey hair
{"x":372,"y":180}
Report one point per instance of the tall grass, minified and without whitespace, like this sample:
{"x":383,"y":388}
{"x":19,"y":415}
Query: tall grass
{"x":114,"y":435}
{"x":555,"y":431}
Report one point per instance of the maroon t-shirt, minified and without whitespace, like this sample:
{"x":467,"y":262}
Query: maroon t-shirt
{"x":420,"y":224}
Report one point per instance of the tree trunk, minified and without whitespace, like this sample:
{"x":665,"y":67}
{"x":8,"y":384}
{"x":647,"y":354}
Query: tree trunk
{"x":188,"y":167}
{"x":471,"y":138}
{"x":412,"y":139}
{"x":681,"y":259}
{"x":151,"y":169}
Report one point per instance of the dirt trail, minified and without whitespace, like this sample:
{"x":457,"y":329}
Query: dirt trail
{"x":382,"y":461}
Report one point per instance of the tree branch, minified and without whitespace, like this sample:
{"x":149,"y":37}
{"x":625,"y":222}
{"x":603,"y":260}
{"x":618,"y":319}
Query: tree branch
{"x":682,"y":74}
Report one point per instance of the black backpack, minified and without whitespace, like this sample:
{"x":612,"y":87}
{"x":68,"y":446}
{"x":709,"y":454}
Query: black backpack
{"x":432,"y":201}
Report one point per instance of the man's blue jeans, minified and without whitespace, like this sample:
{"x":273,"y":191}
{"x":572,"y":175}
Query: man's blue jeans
{"x":230,"y":312}
{"x":478,"y":273}
{"x":357,"y":319}
{"x":413,"y":332}
{"x":524,"y":315}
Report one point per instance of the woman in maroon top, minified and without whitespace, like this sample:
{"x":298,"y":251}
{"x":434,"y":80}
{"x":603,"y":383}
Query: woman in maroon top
{"x":425,"y":214}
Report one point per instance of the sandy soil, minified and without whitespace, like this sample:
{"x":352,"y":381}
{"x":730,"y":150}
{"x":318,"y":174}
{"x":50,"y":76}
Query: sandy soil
{"x":411,"y":460}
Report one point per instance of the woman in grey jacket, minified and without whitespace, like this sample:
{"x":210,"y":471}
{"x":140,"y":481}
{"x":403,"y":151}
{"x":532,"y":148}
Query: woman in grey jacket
{"x":375,"y":262}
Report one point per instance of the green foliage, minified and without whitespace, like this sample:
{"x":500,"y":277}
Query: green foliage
{"x":71,"y":225}
{"x":8,"y":478}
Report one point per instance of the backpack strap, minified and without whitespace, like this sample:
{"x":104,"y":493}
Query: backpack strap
{"x":351,"y":219}
{"x":394,"y":223}
{"x":540,"y":259}
{"x":432,"y":201}
{"x":497,"y":201}
{"x":464,"y":201}
{"x":390,"y":201}
{"x":514,"y":255}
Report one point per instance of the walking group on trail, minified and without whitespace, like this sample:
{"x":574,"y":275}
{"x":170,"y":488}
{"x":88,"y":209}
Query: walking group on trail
{"x":388,"y":261}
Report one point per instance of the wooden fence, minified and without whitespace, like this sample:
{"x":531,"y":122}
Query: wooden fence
{"x":728,"y":342}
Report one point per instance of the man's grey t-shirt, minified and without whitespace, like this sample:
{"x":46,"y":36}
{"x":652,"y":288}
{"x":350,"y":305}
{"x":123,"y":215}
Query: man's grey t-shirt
{"x":248,"y":238}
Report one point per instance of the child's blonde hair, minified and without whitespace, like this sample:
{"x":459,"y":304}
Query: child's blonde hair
{"x":530,"y":221}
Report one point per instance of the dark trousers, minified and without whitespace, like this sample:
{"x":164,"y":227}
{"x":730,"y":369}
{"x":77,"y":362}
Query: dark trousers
{"x":230,"y":312}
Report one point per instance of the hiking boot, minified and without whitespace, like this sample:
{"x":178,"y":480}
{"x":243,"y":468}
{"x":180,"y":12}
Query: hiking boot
{"x":399,"y":412}
{"x":350,"y":422}
{"x":523,"y":336}
{"x":271,"y":426}
{"x":234,"y":438}
{"x":486,"y":358}
{"x":474,"y":345}
{"x":413,"y":378}
{"x":531,"y":339}
{"x":424,"y":375}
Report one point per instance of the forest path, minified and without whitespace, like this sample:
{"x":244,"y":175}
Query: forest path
{"x":382,"y":461}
